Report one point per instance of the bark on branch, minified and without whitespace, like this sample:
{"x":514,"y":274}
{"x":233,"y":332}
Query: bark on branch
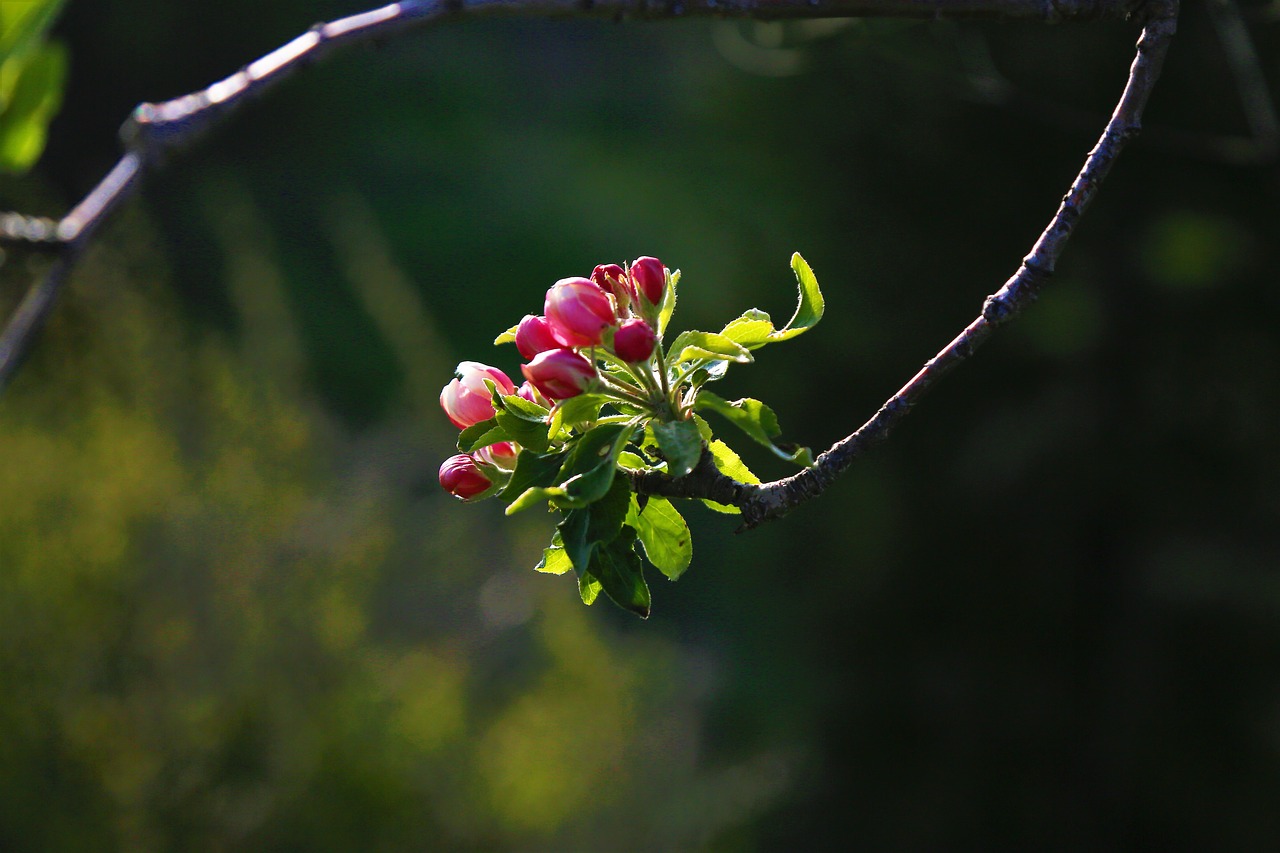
{"x":155,"y":129}
{"x":766,"y":501}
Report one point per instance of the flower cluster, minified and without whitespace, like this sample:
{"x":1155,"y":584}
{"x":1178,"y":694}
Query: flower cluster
{"x":602,"y":395}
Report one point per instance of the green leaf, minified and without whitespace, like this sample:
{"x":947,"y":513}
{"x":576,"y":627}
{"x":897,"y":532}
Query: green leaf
{"x":22,"y":25}
{"x":524,"y":409}
{"x":755,"y":419}
{"x":534,"y":470}
{"x":586,"y":475}
{"x":811,"y":306}
{"x":755,"y":329}
{"x":528,"y":434}
{"x":663,"y":533}
{"x":481,"y":435}
{"x":533,"y":495}
{"x":32,"y":85}
{"x":631,"y":461}
{"x":751,"y":330}
{"x":668,"y":303}
{"x":576,"y":410}
{"x":554,"y":559}
{"x":621,"y":574}
{"x":680,"y":443}
{"x":731,"y":465}
{"x":696,"y":346}
{"x":507,"y":337}
{"x":598,"y":469}
{"x":588,"y":588}
{"x":583,"y":532}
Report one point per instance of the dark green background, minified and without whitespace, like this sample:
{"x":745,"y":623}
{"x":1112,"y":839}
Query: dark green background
{"x":236,"y":612}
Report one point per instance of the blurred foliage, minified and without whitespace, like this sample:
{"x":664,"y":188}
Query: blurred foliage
{"x":236,"y":612}
{"x":31,"y":79}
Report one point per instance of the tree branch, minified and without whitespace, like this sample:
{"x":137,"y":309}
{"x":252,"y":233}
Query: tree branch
{"x":153,"y":129}
{"x":766,"y":501}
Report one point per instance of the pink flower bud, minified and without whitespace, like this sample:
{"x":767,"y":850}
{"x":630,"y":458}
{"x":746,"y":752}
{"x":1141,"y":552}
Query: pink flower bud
{"x":560,"y":374}
{"x":533,"y":395}
{"x":634,"y":341}
{"x":460,"y":477}
{"x":649,"y":278}
{"x":578,"y":312}
{"x":534,"y":335}
{"x":466,"y":399}
{"x":501,"y":455}
{"x":612,"y":279}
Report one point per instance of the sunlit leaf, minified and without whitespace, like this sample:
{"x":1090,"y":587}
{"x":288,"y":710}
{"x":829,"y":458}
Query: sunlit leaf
{"x":663,"y":533}
{"x":695,"y":345}
{"x":755,"y":419}
{"x":481,"y":435}
{"x":680,"y":443}
{"x":811,"y":306}
{"x":668,"y":302}
{"x":507,"y":337}
{"x":731,"y":465}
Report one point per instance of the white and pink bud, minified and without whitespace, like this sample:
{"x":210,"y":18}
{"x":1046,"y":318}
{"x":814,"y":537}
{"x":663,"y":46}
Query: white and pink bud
{"x":560,"y":374}
{"x":501,"y":455}
{"x":462,"y":478}
{"x":579,"y":312}
{"x":634,"y":341}
{"x":533,"y":395}
{"x":534,"y":335}
{"x":466,"y":399}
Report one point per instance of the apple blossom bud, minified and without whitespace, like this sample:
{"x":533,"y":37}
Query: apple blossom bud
{"x":533,"y":395}
{"x":579,"y":312}
{"x":534,"y":335}
{"x":560,"y":374}
{"x":649,"y":278}
{"x":462,"y":478}
{"x":634,"y":341}
{"x":501,"y":455}
{"x":612,"y":279}
{"x":466,"y":399}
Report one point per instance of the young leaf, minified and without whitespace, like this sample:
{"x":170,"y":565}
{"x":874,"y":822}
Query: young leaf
{"x":35,"y":82}
{"x":507,"y":337}
{"x":526,"y":410}
{"x":533,"y":470}
{"x":481,"y":435}
{"x":755,"y":419}
{"x":751,"y":330}
{"x":697,"y":346}
{"x":529,"y":434}
{"x":680,"y":443}
{"x":590,"y":468}
{"x":554,"y":560}
{"x":577,"y":410}
{"x":664,"y":535}
{"x":731,"y":465}
{"x":811,"y":306}
{"x":668,"y":303}
{"x":588,"y":588}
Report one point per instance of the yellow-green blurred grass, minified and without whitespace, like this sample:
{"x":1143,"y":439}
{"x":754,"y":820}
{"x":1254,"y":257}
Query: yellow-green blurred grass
{"x":203,"y":642}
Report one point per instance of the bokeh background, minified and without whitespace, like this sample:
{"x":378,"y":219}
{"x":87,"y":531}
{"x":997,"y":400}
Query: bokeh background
{"x":237,"y":613}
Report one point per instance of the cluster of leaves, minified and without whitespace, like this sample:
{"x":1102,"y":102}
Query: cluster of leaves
{"x":32,"y":72}
{"x":576,"y":454}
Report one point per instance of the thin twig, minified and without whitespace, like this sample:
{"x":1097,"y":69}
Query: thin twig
{"x":153,"y":129}
{"x":766,"y":501}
